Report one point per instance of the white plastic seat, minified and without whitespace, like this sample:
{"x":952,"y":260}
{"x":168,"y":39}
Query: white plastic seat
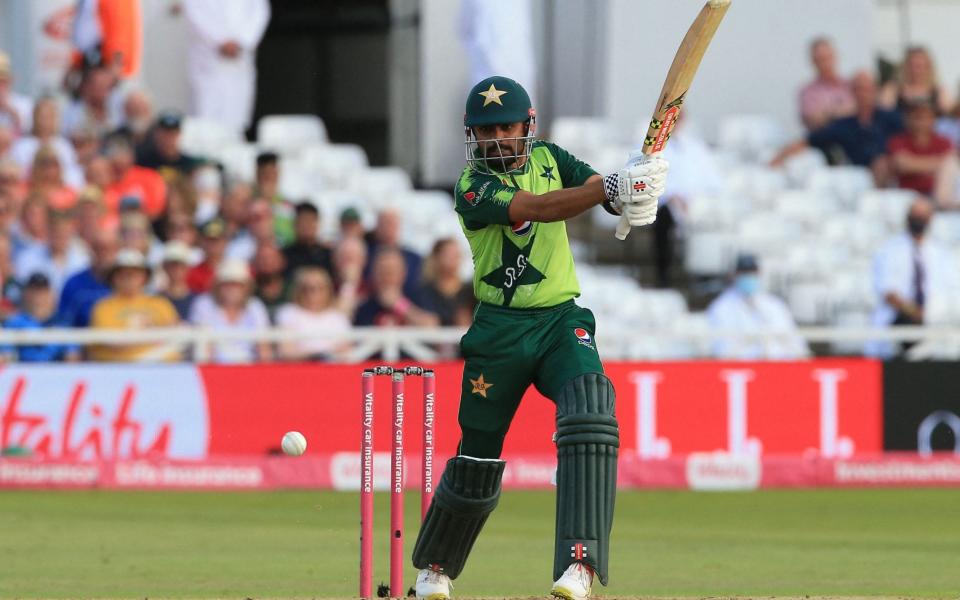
{"x":336,"y":164}
{"x":753,"y":137}
{"x":810,"y":303}
{"x":206,"y":137}
{"x":846,"y":183}
{"x":710,"y":253}
{"x":888,"y":205}
{"x":382,"y":187}
{"x":581,"y":135}
{"x":240,"y":161}
{"x":290,"y":132}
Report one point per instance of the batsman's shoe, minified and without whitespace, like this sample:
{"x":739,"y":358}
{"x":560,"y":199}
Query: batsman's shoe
{"x":432,"y":585}
{"x":574,"y":584}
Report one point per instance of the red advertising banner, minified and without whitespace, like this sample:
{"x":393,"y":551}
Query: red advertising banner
{"x":828,"y":408}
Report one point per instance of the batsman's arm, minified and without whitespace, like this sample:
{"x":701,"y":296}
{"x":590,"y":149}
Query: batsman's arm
{"x":557,"y":205}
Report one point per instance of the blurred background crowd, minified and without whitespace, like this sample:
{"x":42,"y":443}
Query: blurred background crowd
{"x":116,"y":213}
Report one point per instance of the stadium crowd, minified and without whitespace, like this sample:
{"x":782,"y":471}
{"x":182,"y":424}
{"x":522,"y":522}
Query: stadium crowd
{"x":107,"y":223}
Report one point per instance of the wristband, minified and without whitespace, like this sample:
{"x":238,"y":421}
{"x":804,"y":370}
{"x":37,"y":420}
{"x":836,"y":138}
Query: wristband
{"x":611,"y":189}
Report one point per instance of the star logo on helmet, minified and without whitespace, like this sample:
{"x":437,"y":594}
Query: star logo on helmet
{"x":492,"y":96}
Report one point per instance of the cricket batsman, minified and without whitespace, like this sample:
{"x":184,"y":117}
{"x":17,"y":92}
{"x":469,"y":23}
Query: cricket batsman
{"x":512,"y":200}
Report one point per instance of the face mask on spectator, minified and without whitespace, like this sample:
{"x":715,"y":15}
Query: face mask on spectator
{"x":747,"y":284}
{"x":917,"y":225}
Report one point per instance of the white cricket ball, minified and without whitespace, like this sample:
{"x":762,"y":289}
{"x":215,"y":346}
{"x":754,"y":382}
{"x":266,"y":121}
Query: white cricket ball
{"x":293,"y":443}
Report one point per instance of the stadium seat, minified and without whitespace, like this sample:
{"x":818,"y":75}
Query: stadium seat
{"x":710,"y":253}
{"x":335,"y":164}
{"x":283,"y":133}
{"x":846,"y":183}
{"x":751,"y":137}
{"x":239,"y":161}
{"x":206,"y":138}
{"x":889,"y":206}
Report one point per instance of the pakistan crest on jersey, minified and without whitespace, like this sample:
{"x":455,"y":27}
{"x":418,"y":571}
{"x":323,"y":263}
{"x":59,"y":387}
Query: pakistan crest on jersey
{"x":514,"y":270}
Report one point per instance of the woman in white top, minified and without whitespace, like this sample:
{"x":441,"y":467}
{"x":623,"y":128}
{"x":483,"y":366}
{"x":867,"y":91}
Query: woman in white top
{"x":46,"y":131}
{"x":314,"y":309}
{"x":230,"y":307}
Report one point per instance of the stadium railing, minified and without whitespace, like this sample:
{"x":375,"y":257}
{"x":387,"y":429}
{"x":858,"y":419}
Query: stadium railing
{"x":426,"y":344}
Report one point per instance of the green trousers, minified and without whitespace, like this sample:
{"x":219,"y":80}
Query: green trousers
{"x":508,"y":349}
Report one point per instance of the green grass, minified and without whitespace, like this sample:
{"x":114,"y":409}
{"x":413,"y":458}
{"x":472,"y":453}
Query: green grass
{"x":304,"y":544}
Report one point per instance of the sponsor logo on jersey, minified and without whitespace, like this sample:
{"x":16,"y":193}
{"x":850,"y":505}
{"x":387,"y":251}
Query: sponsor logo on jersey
{"x":521,"y":228}
{"x":583,"y":337}
{"x":470,"y":197}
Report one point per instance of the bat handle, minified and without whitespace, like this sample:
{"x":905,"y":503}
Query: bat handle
{"x":623,"y":228}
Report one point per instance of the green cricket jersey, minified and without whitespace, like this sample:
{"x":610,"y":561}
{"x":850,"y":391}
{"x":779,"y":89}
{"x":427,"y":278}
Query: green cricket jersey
{"x":520,"y":265}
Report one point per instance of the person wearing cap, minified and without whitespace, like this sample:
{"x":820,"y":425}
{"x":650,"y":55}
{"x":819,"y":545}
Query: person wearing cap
{"x":213,"y":242}
{"x":230,"y":306}
{"x":161,"y":150}
{"x":919,"y":152}
{"x":350,"y":224}
{"x":176,"y":263}
{"x":744,"y":307}
{"x":60,"y":258}
{"x":38,"y":311}
{"x":127,"y":179}
{"x":268,"y":188}
{"x":129,"y":306}
{"x":46,"y":131}
{"x":306,"y":249}
{"x":15,"y":109}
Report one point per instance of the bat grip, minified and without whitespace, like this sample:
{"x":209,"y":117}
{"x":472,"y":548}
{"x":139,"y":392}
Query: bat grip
{"x":623,"y":228}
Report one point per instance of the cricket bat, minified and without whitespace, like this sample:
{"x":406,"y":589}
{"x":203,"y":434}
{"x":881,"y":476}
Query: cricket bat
{"x":679,"y":77}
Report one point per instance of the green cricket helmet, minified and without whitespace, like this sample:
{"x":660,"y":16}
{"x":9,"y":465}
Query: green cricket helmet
{"x":493,"y":101}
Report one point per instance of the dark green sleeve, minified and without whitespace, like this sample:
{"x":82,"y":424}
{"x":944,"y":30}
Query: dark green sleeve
{"x":483,"y":200}
{"x":573,"y":171}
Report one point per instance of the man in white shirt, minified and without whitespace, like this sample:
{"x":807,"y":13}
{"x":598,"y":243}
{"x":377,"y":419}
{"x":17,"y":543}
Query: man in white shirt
{"x":769,"y":328}
{"x":223,"y":44}
{"x":914,"y":278}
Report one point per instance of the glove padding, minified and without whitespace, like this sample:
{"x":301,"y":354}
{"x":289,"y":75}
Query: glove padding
{"x":639,"y":186}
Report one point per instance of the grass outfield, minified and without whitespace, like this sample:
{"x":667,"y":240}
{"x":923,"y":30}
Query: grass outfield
{"x":304,"y":544}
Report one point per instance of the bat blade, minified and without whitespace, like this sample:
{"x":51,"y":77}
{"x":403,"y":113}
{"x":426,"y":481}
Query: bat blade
{"x":679,"y":77}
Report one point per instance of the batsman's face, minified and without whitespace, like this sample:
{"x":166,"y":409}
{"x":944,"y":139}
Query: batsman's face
{"x":500,"y":140}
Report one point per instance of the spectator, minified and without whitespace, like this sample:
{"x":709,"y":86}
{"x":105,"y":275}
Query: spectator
{"x":86,"y":288}
{"x":180,"y":228}
{"x":349,"y":262}
{"x":387,"y":236}
{"x":181,"y":198}
{"x":46,"y":131}
{"x":744,"y":307}
{"x":230,"y":307}
{"x":94,"y":107}
{"x":694,"y":171}
{"x":268,"y":188}
{"x":918,"y":153}
{"x":99,"y":173}
{"x":388,"y":305}
{"x":109,"y":33}
{"x":235,"y":210}
{"x":61,"y":258}
{"x":315,"y":309}
{"x":136,"y":234}
{"x":268,"y":271}
{"x":306,"y":249}
{"x":86,"y":147}
{"x":12,"y":185}
{"x":7,"y":135}
{"x":176,"y":265}
{"x":91,"y":214}
{"x":911,"y":272}
{"x":828,"y":97}
{"x":9,"y":286}
{"x":213,"y":242}
{"x":33,"y":229}
{"x":861,"y":139}
{"x":223,"y":44}
{"x":162,"y":150}
{"x":444,"y":291}
{"x":37,"y":312}
{"x":128,"y":179}
{"x":15,"y":109}
{"x":130,"y":307}
{"x":137,"y":119}
{"x":46,"y":180}
{"x":207,"y":182}
{"x":917,"y":81}
{"x":350,"y":224}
